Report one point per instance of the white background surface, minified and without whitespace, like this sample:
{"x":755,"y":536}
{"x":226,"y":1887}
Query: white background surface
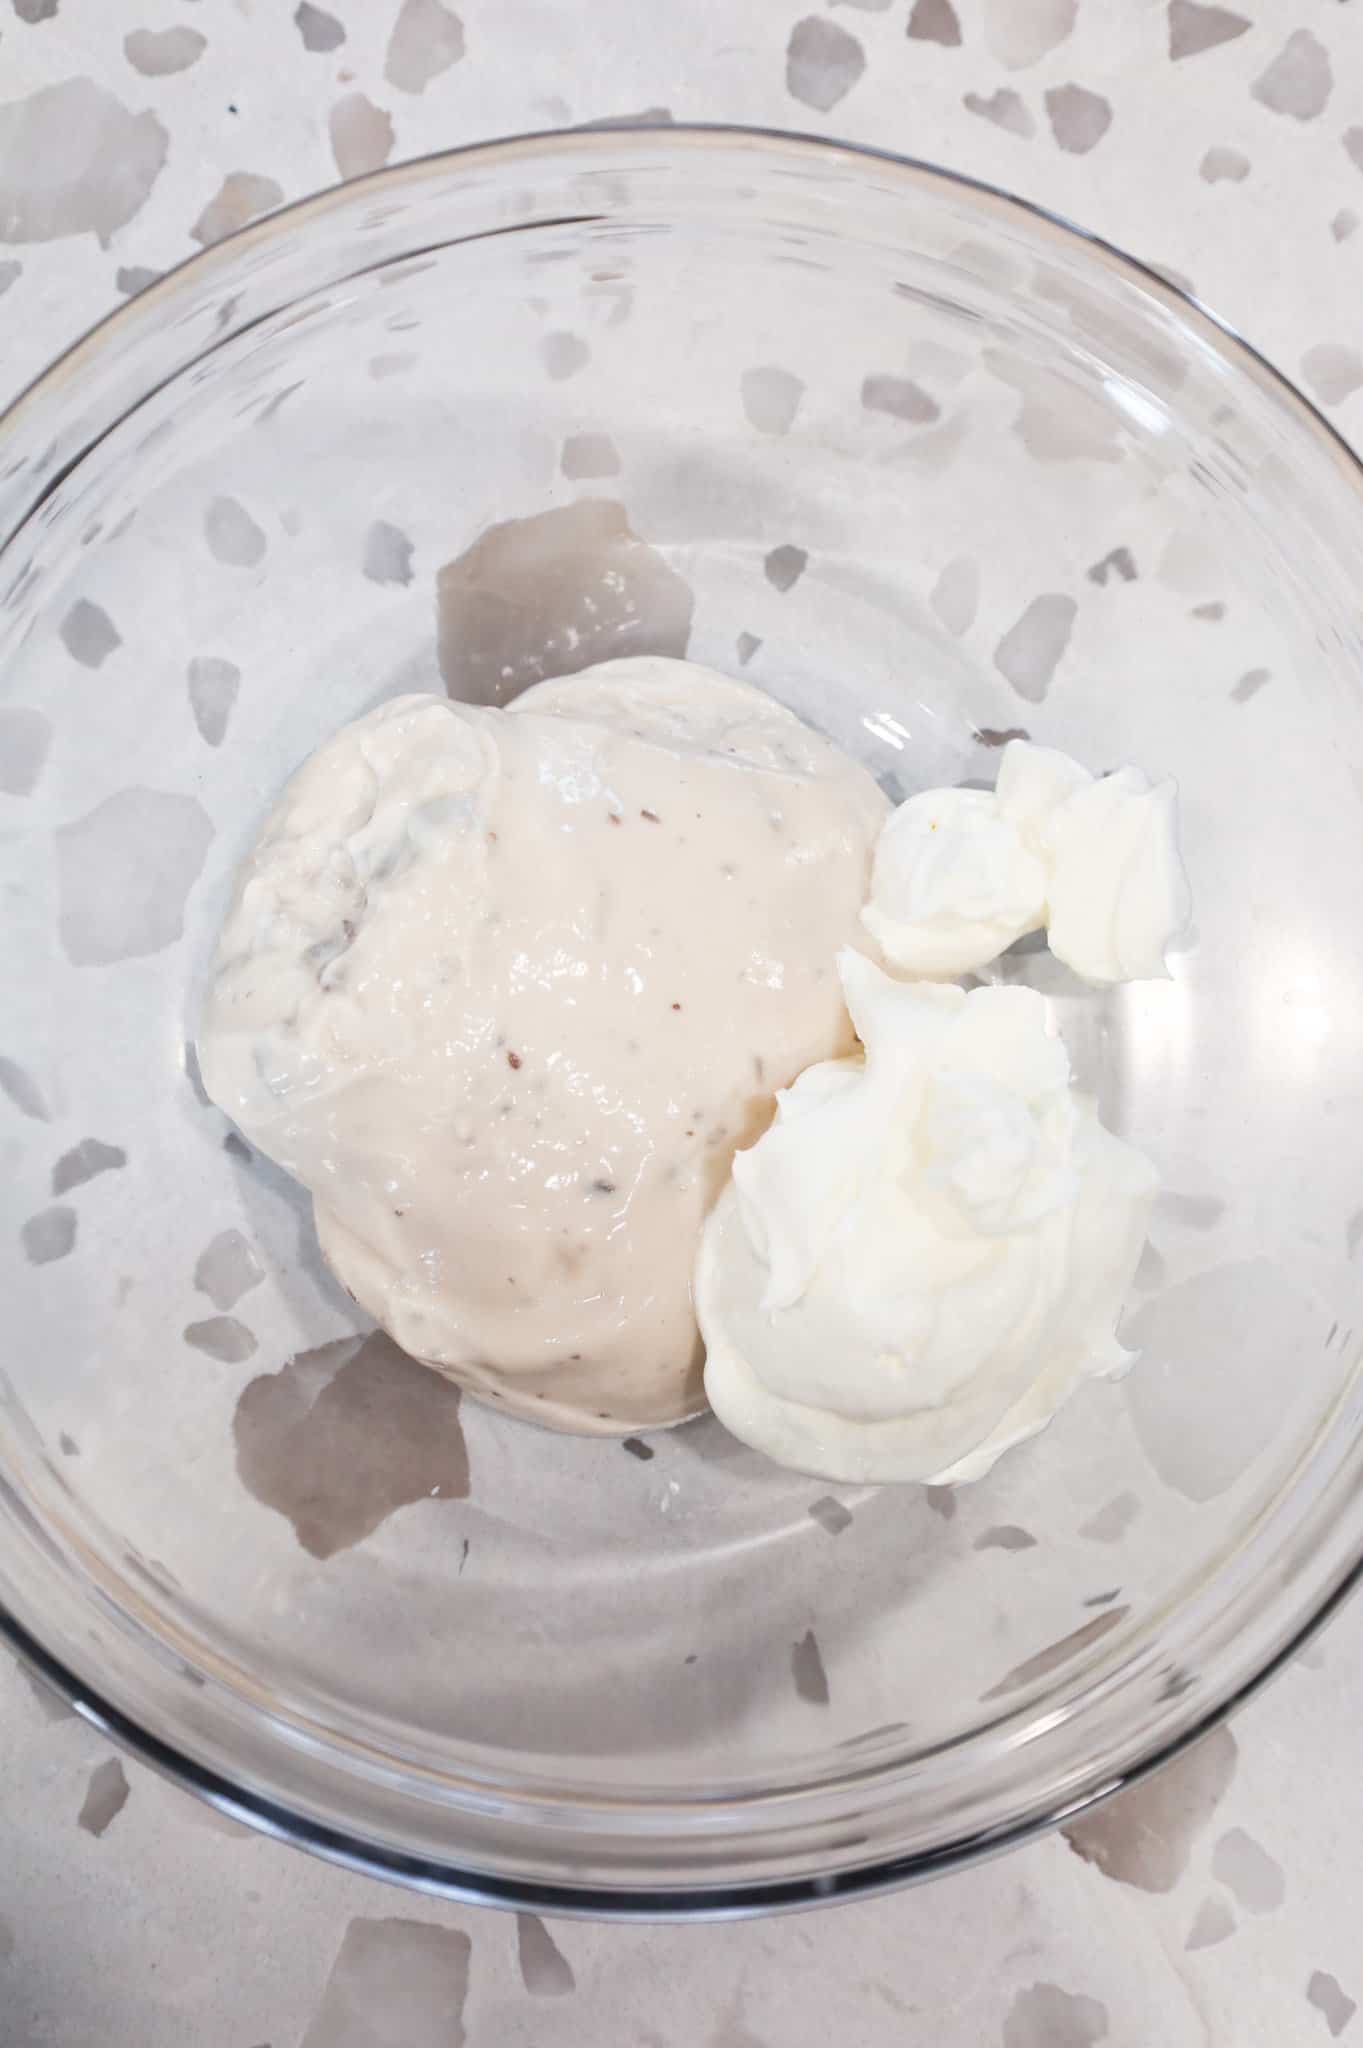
{"x":130,"y":1917}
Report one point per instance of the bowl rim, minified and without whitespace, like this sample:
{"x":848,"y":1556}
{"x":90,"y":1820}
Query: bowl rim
{"x":705,"y":1900}
{"x":645,"y":1905}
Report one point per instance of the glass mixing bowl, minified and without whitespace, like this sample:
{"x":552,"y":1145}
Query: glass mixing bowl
{"x":931,"y":467}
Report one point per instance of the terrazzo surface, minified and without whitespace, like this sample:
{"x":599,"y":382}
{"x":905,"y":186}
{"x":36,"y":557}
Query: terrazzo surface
{"x":1215,"y":1906}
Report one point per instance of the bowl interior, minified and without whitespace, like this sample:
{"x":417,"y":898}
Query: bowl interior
{"x":931,"y":470}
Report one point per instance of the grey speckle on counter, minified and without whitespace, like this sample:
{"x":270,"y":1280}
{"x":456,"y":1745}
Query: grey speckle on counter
{"x":106,"y":1795}
{"x":1212,"y":1905}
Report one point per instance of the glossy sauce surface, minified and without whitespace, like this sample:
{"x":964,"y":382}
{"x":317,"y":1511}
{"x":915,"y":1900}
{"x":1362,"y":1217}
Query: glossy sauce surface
{"x":505,"y":989}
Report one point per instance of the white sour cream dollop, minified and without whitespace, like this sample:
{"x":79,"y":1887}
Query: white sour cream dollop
{"x":928,"y":1250}
{"x":959,"y":874}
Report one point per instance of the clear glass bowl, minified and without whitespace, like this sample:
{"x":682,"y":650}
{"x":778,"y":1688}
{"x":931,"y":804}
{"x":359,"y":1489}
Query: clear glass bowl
{"x":930,"y":467}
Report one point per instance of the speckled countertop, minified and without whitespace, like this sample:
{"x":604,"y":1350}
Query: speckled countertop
{"x":1216,"y":1905}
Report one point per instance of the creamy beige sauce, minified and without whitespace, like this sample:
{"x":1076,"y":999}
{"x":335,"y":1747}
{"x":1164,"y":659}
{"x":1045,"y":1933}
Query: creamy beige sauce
{"x":505,"y":989}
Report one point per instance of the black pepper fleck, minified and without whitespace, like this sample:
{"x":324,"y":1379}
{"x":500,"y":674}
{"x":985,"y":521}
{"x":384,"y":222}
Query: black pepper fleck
{"x":513,"y":1059}
{"x":652,"y":817}
{"x":637,"y":1449}
{"x":603,"y":1187}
